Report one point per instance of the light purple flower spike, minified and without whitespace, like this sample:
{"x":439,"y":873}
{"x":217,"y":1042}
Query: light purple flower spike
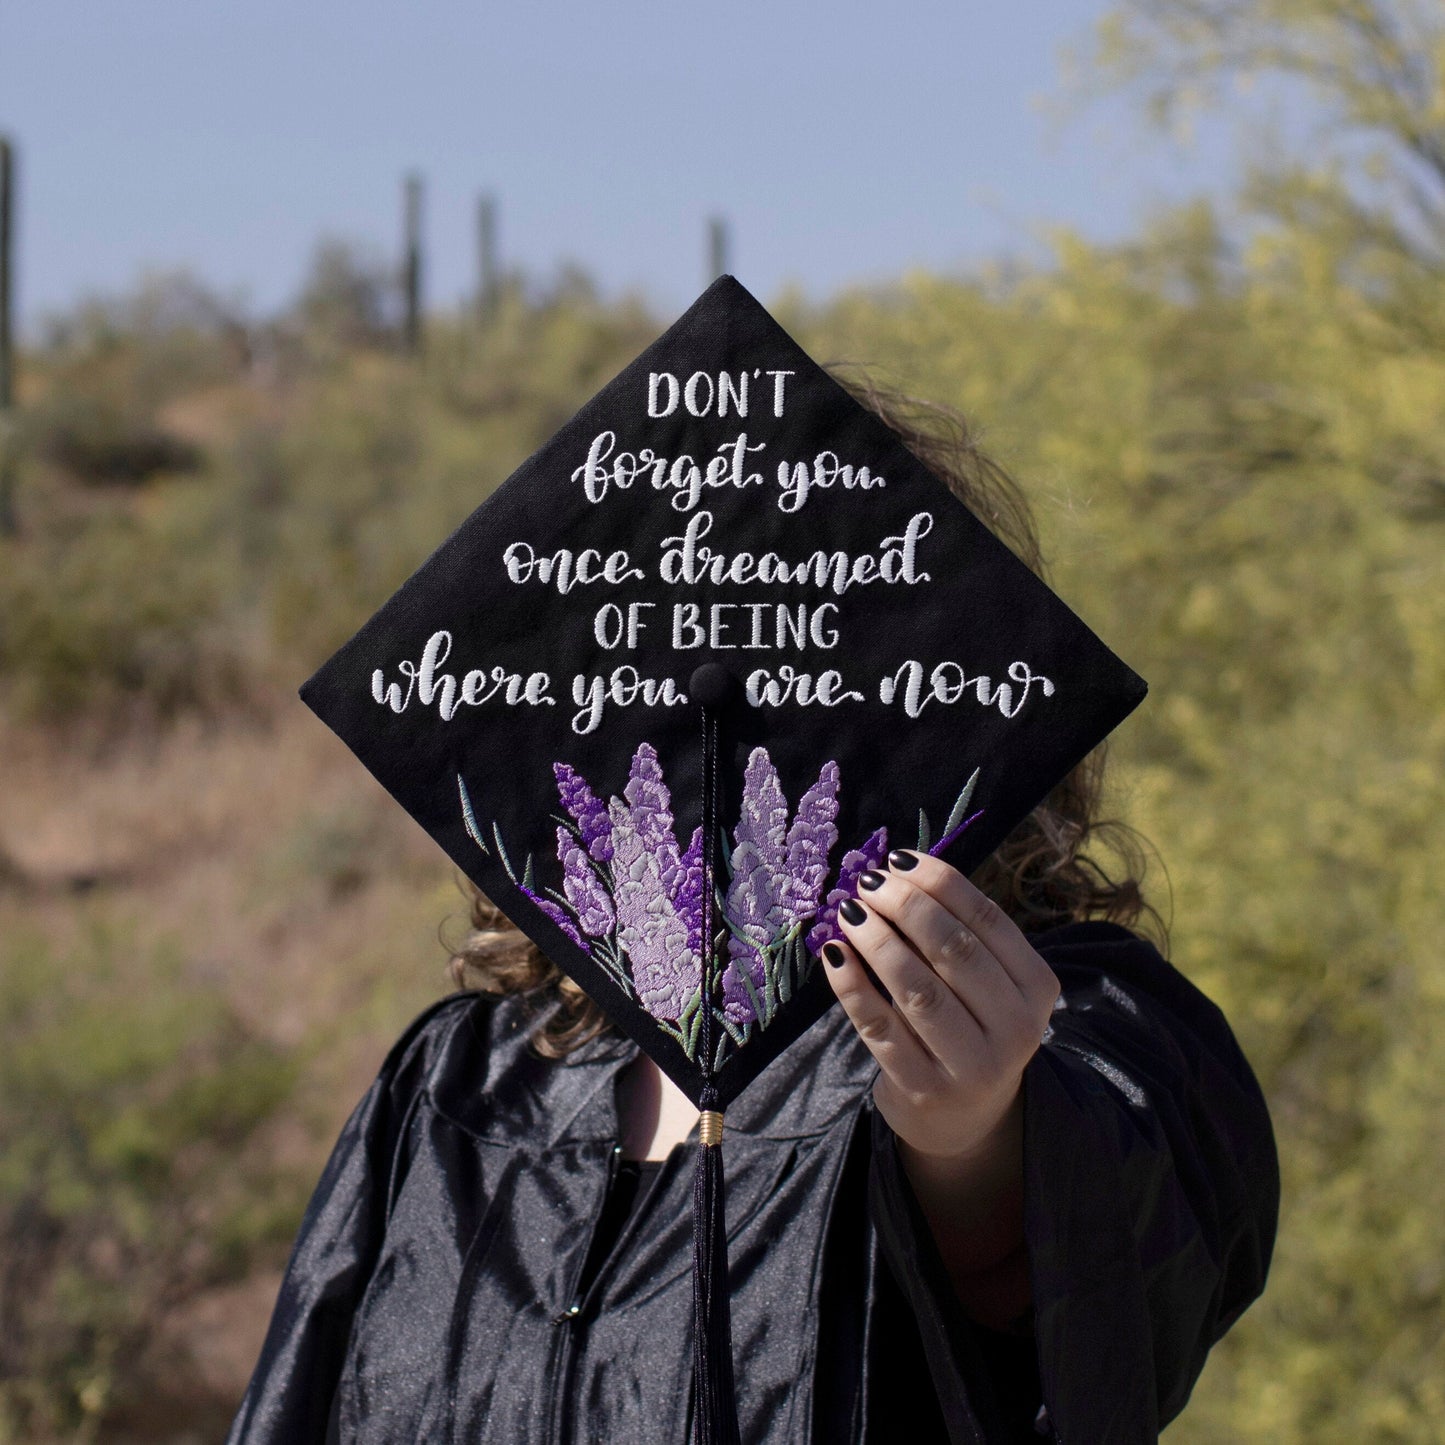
{"x":651,"y":806}
{"x":587,"y":810}
{"x":585,"y":891}
{"x":778,"y":873}
{"x":646,"y":872}
{"x":810,"y":841}
{"x":856,"y":862}
{"x":755,"y":903}
{"x":688,"y":898}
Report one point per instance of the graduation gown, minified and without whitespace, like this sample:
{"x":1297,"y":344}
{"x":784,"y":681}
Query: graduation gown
{"x":432,"y":1292}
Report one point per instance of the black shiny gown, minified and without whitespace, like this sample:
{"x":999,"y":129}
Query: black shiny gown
{"x":436,"y":1291}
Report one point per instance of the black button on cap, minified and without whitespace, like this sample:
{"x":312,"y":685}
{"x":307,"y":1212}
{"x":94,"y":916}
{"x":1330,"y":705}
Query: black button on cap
{"x":711,"y":685}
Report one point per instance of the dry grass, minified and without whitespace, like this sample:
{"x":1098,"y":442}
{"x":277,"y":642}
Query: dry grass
{"x":292,"y":883}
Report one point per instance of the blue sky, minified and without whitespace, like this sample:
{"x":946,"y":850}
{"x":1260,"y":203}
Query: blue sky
{"x":844,"y":142}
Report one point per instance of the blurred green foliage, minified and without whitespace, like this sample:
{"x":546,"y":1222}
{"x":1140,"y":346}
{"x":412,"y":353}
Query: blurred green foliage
{"x":128,"y":1094}
{"x":1208,"y":446}
{"x":119,"y":615}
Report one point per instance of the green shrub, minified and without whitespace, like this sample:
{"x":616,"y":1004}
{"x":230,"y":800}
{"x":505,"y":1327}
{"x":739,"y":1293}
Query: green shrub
{"x":169,"y":336}
{"x":124,"y":615}
{"x":96,"y":443}
{"x":127,"y":1093}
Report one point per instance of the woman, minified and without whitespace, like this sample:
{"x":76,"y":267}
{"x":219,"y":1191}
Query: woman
{"x":1014,"y":1188}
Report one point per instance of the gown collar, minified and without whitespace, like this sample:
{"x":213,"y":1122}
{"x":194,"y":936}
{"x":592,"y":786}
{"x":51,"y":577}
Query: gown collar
{"x":488,"y":1082}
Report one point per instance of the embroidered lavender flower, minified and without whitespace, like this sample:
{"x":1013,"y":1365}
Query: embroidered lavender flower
{"x":810,"y":841}
{"x":585,"y":891}
{"x":778,"y":874}
{"x":559,"y":917}
{"x":640,"y":900}
{"x":587,"y":810}
{"x":759,"y":863}
{"x":950,"y":838}
{"x":646,"y":872}
{"x":690,"y":892}
{"x":755,"y":904}
{"x":651,"y":805}
{"x":738,"y":1005}
{"x":856,"y":862}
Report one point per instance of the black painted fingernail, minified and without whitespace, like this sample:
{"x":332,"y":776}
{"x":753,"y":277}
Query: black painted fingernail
{"x":901,"y":862}
{"x":833,"y":954}
{"x":851,"y":911}
{"x":872,"y":879}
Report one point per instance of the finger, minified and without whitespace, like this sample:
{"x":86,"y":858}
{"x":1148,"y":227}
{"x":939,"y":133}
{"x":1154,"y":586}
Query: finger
{"x":887,"y":1037}
{"x":982,"y":916}
{"x":933,"y":1011}
{"x":955,"y":953}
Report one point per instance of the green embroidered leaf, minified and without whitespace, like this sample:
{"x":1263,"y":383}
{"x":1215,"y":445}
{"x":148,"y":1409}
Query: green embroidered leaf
{"x":758,"y":1011}
{"x":738,"y":1033}
{"x":502,"y":853}
{"x":961,"y":806}
{"x":787,"y":972}
{"x":469,"y":818}
{"x":690,"y":1021}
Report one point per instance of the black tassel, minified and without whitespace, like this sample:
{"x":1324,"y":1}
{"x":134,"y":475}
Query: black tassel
{"x":715,"y":1415}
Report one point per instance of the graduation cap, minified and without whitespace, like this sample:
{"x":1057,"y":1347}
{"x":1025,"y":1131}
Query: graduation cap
{"x":701,"y":661}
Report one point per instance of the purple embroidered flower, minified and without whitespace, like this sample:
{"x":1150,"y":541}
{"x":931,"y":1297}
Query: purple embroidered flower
{"x":559,"y":917}
{"x":949,"y":838}
{"x":689,"y":896}
{"x":585,"y":891}
{"x":810,"y":840}
{"x":652,"y":814}
{"x":759,"y":863}
{"x":646,"y":873}
{"x":587,"y":810}
{"x":856,"y":862}
{"x":755,"y":903}
{"x":738,"y":1006}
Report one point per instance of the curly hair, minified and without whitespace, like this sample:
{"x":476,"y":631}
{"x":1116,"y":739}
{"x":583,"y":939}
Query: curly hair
{"x":1045,"y":873}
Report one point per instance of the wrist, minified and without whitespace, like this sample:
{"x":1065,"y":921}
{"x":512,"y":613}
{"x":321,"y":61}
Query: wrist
{"x":964,"y":1156}
{"x":972,"y":1198}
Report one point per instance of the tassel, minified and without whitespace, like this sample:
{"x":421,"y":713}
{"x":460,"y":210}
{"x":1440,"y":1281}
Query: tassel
{"x":715,"y":1416}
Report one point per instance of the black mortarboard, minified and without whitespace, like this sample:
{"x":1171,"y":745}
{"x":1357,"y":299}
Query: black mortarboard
{"x":700,"y":661}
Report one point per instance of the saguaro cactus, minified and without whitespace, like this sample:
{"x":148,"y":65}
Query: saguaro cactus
{"x":8,"y":523}
{"x":717,"y":247}
{"x":488,"y":284}
{"x":411,"y":276}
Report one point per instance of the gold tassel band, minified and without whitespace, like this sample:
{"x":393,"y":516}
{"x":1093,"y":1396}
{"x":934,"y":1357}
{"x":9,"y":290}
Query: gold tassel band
{"x":709,"y":1127}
